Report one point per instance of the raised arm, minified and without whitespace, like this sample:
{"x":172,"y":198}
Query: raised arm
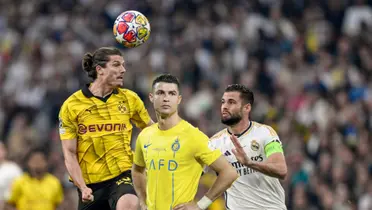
{"x":73,"y":168}
{"x":274,"y":166}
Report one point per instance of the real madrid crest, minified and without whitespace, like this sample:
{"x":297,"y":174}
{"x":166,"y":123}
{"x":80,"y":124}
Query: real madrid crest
{"x":176,"y":145}
{"x":255,"y":146}
{"x":121,"y":107}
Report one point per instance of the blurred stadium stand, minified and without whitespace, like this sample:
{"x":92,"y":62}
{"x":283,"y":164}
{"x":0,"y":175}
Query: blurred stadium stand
{"x":309,"y":63}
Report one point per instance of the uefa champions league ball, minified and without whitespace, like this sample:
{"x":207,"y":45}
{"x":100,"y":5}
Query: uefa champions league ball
{"x":131,"y":29}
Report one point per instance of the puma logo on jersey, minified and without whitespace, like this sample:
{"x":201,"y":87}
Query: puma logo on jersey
{"x":125,"y":180}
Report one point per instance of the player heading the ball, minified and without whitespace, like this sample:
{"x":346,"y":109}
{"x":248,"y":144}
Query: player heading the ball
{"x":95,"y":129}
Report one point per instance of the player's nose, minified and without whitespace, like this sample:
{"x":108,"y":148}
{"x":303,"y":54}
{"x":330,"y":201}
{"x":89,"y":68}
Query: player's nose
{"x":123,"y":70}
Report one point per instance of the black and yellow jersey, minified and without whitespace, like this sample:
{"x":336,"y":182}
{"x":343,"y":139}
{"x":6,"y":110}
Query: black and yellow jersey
{"x":103,"y":129}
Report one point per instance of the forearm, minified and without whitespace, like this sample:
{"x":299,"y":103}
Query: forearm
{"x":272,"y":169}
{"x":222,"y":183}
{"x":74,"y":170}
{"x":139,"y":182}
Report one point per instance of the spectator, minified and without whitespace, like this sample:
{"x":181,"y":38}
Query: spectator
{"x":8,"y":172}
{"x":308,"y":63}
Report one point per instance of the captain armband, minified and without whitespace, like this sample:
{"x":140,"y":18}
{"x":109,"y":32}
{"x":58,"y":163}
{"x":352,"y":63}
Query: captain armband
{"x":273,"y":147}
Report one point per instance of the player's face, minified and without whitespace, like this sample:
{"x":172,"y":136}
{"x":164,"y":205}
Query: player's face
{"x":37,"y":164}
{"x":113,"y":73}
{"x":232,"y":108}
{"x":165,"y":98}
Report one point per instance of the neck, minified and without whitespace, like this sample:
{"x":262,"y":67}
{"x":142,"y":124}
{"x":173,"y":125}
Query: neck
{"x":240,"y":127}
{"x":167,"y":122}
{"x":37,"y":176}
{"x":99,"y":88}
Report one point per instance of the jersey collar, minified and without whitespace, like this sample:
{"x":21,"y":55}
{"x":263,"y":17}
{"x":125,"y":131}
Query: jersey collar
{"x":89,"y":94}
{"x":245,"y":131}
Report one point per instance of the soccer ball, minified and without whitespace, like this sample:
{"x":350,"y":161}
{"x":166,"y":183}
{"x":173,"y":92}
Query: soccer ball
{"x":131,"y":29}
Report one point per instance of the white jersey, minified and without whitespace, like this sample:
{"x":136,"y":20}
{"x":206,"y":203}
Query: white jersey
{"x":252,"y":190}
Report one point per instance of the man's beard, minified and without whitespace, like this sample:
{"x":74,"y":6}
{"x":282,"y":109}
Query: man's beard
{"x":232,"y":120}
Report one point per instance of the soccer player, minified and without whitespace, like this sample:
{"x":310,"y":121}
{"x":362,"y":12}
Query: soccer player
{"x":36,"y":189}
{"x":96,"y":128}
{"x":174,"y":152}
{"x":254,"y":150}
{"x":8,"y":172}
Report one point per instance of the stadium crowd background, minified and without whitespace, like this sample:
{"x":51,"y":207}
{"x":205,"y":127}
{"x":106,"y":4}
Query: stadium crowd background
{"x":308,"y":61}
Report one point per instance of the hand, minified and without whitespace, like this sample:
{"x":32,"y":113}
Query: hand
{"x":187,"y":206}
{"x":239,"y":153}
{"x":87,"y":195}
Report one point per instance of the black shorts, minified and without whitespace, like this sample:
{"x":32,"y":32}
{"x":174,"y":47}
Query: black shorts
{"x":106,"y":194}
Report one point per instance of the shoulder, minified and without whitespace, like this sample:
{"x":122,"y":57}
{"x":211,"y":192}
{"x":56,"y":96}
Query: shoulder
{"x":73,"y":99}
{"x":22,"y":179}
{"x":263,"y":129}
{"x":149,"y":130}
{"x":130,"y":94}
{"x":219,"y":134}
{"x":193,"y":131}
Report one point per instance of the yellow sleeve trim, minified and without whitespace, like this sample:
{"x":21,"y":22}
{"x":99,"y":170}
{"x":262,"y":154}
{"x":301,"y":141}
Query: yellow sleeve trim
{"x":273,"y":147}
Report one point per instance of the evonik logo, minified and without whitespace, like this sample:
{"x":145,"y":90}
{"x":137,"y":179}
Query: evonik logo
{"x":107,"y":127}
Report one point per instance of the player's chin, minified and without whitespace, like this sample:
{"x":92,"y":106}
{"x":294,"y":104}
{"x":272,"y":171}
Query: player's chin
{"x":118,"y":84}
{"x":164,"y":112}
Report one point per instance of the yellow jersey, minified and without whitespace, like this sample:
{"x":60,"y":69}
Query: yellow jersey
{"x":174,"y":160}
{"x":28,"y":193}
{"x":103,"y":129}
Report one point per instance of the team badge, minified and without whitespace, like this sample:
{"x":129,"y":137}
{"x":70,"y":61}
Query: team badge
{"x":176,"y":145}
{"x":121,"y":107}
{"x":60,"y":126}
{"x":254,"y":145}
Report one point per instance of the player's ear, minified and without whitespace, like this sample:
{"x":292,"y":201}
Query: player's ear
{"x":99,"y":70}
{"x":151,"y":97}
{"x":248,"y":107}
{"x":179,"y":99}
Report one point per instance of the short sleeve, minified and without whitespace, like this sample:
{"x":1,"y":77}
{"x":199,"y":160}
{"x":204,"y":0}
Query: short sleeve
{"x":203,"y":152}
{"x":138,"y":154}
{"x":67,"y":125}
{"x":270,"y":135}
{"x":15,"y":192}
{"x":272,"y":143}
{"x":141,"y":117}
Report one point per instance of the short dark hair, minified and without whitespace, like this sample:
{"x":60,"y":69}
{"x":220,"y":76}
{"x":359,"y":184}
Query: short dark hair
{"x":167,"y":78}
{"x":245,"y":93}
{"x":99,"y":57}
{"x":35,"y":151}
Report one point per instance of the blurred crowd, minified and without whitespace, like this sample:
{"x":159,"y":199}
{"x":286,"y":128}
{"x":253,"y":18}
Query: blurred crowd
{"x":309,"y":63}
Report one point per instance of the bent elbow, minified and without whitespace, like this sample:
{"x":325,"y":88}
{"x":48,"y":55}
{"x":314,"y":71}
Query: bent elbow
{"x":283,"y":173}
{"x":233,"y":175}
